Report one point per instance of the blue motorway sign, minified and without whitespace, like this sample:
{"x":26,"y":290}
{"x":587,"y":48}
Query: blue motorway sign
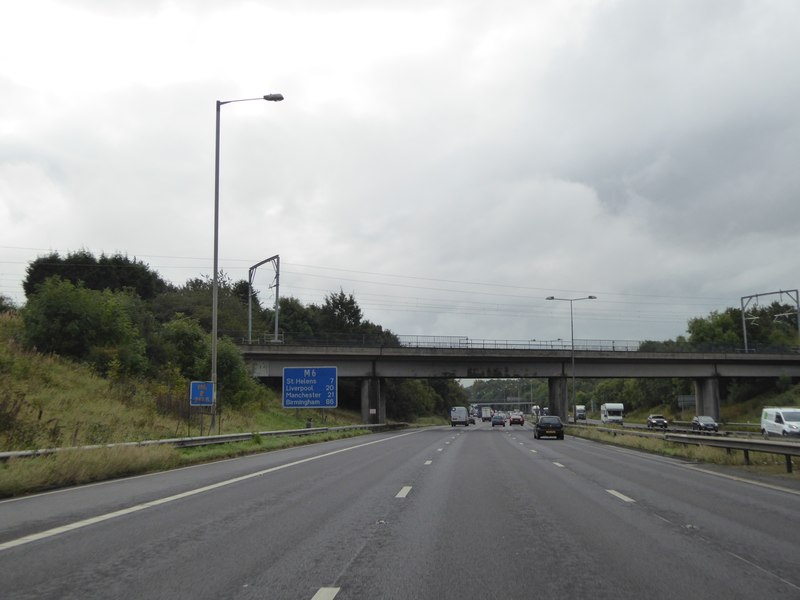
{"x":310,"y":387}
{"x":201,"y":393}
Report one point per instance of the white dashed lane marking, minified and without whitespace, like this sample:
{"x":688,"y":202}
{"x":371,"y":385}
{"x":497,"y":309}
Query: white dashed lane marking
{"x":622,"y":497}
{"x":326,"y":593}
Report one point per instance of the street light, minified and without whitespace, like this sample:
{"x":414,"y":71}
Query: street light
{"x":572,"y":345}
{"x":215,"y":281}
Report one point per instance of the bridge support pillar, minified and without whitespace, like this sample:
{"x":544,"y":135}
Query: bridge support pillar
{"x":706,"y":392}
{"x":381,"y":400}
{"x":373,"y":402}
{"x":557,"y":397}
{"x":365,"y":401}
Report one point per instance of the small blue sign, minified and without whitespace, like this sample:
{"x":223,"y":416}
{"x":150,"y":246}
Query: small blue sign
{"x":201,"y":393}
{"x":310,"y":387}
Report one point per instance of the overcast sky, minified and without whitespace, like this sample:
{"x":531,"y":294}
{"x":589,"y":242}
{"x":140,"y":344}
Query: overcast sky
{"x":450,"y":163}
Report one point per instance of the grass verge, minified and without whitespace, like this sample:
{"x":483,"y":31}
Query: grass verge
{"x":78,"y":467}
{"x":760,"y":462}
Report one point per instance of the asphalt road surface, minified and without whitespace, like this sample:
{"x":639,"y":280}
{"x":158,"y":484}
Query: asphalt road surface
{"x":437,"y":513}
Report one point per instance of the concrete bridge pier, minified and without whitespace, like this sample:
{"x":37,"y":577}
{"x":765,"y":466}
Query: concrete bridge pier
{"x":373,"y":402}
{"x":706,"y":392}
{"x":557,"y":397}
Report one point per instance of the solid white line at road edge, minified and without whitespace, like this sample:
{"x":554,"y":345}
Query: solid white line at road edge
{"x":762,"y":569}
{"x":139,"y":507}
{"x":768,"y":486}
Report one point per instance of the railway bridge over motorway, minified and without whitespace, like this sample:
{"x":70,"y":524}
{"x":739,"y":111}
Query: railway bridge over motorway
{"x":496,"y":360}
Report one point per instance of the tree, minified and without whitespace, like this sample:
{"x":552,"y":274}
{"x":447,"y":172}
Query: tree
{"x":767,"y":327}
{"x":87,"y":325}
{"x":186,"y":346}
{"x":718,"y":330}
{"x":6,"y":304}
{"x":449,"y":393}
{"x":235,"y":386}
{"x":409,"y":399}
{"x":340,"y":313}
{"x":115,"y":273}
{"x":295,"y":319}
{"x":194,"y":300}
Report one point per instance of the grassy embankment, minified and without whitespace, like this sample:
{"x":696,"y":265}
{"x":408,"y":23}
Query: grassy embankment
{"x":49,"y":402}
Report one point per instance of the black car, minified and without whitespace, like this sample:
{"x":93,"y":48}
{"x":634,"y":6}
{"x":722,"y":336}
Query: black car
{"x":656,"y":421}
{"x":703,"y":423}
{"x":549,"y":426}
{"x":498,"y":418}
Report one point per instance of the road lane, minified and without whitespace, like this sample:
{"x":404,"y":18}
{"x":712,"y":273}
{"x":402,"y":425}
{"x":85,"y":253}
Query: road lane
{"x":441,"y":513}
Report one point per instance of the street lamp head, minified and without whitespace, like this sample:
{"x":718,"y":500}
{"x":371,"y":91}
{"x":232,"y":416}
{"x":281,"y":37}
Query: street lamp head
{"x":273,"y":97}
{"x":592,"y":298}
{"x":550,"y":298}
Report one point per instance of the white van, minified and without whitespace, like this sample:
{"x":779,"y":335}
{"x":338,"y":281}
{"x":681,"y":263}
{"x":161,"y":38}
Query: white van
{"x":459,"y":416}
{"x":780,"y":421}
{"x":612,"y":412}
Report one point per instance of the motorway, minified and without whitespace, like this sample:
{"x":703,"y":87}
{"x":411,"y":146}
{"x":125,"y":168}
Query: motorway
{"x":436,"y":513}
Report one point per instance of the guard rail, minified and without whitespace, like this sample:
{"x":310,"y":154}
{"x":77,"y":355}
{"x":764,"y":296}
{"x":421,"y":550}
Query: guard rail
{"x":783,"y":447}
{"x":209,"y":440}
{"x":786,"y":448}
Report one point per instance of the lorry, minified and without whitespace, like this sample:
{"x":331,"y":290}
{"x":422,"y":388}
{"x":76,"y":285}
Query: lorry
{"x":580,"y":412}
{"x":611,"y":412}
{"x":485,"y":413}
{"x":784,"y":421}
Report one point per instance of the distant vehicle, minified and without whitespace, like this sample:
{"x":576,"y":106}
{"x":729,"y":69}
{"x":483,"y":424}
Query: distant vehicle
{"x":656,"y":421}
{"x":486,"y":413}
{"x":517,"y":418}
{"x":611,"y":412}
{"x":549,"y":426}
{"x":580,"y":412}
{"x":780,"y":421}
{"x":471,"y":419}
{"x":498,"y":418}
{"x":703,"y":423}
{"x":459,"y":416}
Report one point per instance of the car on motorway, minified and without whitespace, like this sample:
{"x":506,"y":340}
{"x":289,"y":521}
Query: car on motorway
{"x":703,"y":423}
{"x":498,"y":418}
{"x":549,"y":425}
{"x":517,"y":418}
{"x":656,"y":421}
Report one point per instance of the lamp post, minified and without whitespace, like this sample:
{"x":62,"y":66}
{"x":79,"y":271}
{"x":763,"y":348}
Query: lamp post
{"x":215,"y":280}
{"x":572,"y":344}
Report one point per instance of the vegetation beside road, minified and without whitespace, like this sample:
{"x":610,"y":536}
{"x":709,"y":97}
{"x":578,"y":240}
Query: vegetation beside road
{"x":761,"y":462}
{"x":78,"y":467}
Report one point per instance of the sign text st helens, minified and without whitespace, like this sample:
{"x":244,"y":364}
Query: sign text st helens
{"x":310,"y":387}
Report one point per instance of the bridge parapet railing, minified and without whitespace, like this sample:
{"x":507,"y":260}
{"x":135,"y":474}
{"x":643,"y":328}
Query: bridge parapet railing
{"x":389,"y":340}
